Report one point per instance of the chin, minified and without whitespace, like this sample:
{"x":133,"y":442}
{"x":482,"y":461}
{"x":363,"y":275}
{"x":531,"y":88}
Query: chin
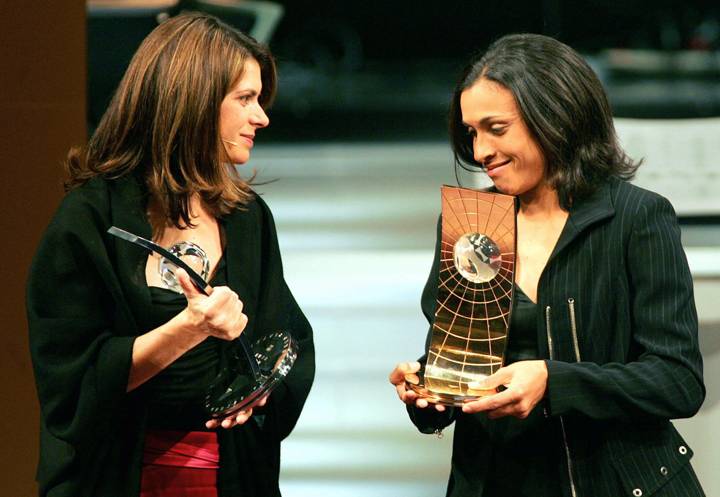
{"x":504,"y":189}
{"x":240,"y":160}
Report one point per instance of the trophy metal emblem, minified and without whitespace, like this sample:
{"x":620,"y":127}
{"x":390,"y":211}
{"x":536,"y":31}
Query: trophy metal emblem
{"x":475,"y":287}
{"x":253,"y":370}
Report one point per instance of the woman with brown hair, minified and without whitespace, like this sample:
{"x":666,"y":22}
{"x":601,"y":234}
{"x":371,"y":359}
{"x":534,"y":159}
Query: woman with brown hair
{"x":122,"y":359}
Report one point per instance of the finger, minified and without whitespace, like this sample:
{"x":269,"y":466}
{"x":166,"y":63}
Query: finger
{"x":241,"y":323}
{"x":263,"y":401}
{"x":243,"y":416}
{"x":491,"y":402}
{"x":186,"y":284}
{"x":212,"y":424}
{"x":234,"y":329}
{"x":237,"y":419}
{"x":408,"y":396}
{"x":229,"y":422}
{"x":404,"y":368}
{"x":412,"y":367}
{"x":500,"y":377}
{"x":509,"y":410}
{"x":412,"y":378}
{"x":439,"y":408}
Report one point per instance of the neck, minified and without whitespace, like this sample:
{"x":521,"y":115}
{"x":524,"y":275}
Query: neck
{"x":159,"y":222}
{"x":542,"y":201}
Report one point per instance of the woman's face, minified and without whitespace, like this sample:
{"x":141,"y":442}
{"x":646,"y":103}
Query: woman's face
{"x":501,"y":141}
{"x":241,"y":114}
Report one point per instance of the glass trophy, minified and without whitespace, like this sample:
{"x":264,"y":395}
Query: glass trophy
{"x":475,"y":286}
{"x":253,"y":370}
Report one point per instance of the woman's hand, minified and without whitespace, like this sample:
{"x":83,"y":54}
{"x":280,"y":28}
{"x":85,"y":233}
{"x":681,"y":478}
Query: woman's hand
{"x":525,"y":382}
{"x":237,"y":418}
{"x":218,"y":314}
{"x":405,"y":371}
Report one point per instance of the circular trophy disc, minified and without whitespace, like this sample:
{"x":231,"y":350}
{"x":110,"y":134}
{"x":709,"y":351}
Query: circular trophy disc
{"x":190,"y":253}
{"x":236,"y":388}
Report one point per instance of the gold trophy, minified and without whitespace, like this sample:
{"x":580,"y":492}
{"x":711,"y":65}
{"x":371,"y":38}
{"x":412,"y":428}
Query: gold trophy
{"x":475,"y":287}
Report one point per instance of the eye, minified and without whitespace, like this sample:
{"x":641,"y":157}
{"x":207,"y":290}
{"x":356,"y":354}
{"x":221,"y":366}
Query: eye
{"x":497,"y":130}
{"x":244,"y":99}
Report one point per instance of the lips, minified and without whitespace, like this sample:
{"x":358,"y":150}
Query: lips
{"x":249,"y":139}
{"x":494,"y":168}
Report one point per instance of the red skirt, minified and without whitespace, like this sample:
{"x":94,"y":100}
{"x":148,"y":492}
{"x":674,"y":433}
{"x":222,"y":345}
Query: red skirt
{"x":180,"y":464}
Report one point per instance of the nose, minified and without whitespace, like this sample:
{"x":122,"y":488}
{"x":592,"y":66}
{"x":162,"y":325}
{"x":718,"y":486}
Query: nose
{"x":259,"y":118}
{"x":483,"y":152}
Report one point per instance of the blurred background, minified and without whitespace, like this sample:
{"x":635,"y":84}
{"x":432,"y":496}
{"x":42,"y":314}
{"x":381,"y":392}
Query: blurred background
{"x":352,"y":165}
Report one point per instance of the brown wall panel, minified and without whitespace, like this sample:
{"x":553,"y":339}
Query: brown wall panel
{"x":42,"y":114}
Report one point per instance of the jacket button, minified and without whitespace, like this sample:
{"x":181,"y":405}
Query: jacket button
{"x":637,"y":492}
{"x":682,"y":449}
{"x":664,"y":471}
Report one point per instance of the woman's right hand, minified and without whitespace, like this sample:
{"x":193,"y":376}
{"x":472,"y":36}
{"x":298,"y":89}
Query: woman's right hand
{"x":399,"y":377}
{"x":218,"y":314}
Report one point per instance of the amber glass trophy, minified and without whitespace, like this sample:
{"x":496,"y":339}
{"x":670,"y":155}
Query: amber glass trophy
{"x":475,"y":286}
{"x":253,"y":369}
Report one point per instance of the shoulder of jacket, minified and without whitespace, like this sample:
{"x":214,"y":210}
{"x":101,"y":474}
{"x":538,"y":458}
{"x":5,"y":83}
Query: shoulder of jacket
{"x":630,"y":198}
{"x":83,"y":209}
{"x":95,"y":191}
{"x":257,"y":206}
{"x":91,"y":196}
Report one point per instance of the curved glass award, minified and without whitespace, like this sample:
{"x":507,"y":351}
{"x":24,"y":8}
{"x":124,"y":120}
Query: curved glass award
{"x":253,"y":370}
{"x":475,"y":285}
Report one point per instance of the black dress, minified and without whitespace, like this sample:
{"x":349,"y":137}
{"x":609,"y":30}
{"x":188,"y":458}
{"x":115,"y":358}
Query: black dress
{"x":176,"y":395}
{"x":522,"y":443}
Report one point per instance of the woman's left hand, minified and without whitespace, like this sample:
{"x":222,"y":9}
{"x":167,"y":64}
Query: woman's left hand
{"x":525,"y":382}
{"x":237,"y":418}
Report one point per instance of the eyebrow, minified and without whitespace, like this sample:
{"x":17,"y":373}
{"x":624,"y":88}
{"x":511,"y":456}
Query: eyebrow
{"x":251,"y":91}
{"x":485,"y":119}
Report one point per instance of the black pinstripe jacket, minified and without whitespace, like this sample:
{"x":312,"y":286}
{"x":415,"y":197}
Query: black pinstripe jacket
{"x":618,"y":328}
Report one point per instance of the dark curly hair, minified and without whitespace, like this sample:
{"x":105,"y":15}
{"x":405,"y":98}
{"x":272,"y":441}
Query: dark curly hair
{"x":564,"y":106}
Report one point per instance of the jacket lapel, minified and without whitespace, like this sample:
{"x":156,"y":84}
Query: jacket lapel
{"x":242,"y":256}
{"x":595,"y":208}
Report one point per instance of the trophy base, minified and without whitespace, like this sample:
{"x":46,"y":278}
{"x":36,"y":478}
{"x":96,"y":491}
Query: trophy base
{"x":236,"y":388}
{"x":416,"y":383}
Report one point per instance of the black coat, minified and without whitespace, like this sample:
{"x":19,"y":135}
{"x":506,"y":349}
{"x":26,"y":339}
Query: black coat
{"x":85,"y":291}
{"x":629,"y":364}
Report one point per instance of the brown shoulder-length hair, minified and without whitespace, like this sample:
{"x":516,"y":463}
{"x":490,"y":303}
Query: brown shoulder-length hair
{"x":163,"y":121}
{"x":563,"y":104}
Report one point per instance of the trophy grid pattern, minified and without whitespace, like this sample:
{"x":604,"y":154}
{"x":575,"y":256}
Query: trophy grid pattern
{"x":471,"y":319}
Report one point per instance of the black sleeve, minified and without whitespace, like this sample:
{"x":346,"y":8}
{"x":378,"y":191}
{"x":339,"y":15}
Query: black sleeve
{"x":666,"y":378}
{"x":81,"y":366}
{"x":278,"y":310}
{"x":430,"y":420}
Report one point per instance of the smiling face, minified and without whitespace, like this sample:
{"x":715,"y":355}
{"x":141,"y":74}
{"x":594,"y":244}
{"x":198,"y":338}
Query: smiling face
{"x":241,"y":114}
{"x":501,"y":141}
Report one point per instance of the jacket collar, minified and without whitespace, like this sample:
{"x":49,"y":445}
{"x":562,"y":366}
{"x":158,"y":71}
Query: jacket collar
{"x":583,"y":214}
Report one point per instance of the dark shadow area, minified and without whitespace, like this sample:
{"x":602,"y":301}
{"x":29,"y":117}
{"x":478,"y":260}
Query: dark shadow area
{"x":378,"y":71}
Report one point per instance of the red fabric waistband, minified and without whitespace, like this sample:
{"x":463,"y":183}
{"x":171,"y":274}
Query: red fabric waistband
{"x":186,"y":449}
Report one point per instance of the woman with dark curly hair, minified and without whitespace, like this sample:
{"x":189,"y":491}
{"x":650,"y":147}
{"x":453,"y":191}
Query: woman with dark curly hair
{"x":603,"y":347}
{"x":123,"y":356}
